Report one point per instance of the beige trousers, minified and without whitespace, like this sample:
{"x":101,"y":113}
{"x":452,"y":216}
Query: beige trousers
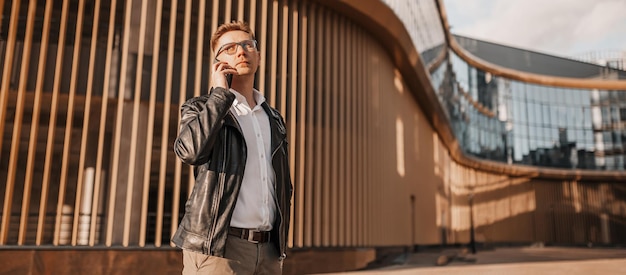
{"x":241,"y":257}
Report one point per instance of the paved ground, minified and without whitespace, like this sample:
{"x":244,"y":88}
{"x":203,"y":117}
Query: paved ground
{"x":510,"y":261}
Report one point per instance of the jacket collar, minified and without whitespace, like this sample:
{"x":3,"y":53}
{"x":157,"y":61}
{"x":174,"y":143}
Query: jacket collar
{"x":279,"y":132}
{"x":277,"y":125}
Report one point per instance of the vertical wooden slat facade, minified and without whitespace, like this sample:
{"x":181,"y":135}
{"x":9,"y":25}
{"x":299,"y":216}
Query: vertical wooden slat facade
{"x":85,"y":130}
{"x":70,"y":119}
{"x":150,"y":139}
{"x":117,"y":134}
{"x":17,"y":123}
{"x":89,"y":109}
{"x":6,"y":76}
{"x":132,"y":158}
{"x":34,"y":125}
{"x":104,"y":115}
{"x":52,"y":122}
{"x":166,"y":112}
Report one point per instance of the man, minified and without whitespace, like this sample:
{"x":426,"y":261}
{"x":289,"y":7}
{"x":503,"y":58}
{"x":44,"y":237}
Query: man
{"x":237,"y":218}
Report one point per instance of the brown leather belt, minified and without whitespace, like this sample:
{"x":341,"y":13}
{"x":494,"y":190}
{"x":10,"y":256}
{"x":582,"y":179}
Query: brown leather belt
{"x":250,"y":235}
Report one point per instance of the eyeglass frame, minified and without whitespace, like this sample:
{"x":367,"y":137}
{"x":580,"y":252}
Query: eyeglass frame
{"x":240,"y":43}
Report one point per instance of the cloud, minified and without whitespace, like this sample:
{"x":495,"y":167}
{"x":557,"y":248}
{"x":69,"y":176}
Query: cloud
{"x":561,"y":27}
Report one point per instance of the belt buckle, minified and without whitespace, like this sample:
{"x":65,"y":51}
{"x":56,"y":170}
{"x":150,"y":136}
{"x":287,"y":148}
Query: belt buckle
{"x":250,"y":237}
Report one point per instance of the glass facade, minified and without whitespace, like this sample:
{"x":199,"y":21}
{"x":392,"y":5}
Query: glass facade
{"x":421,"y":19}
{"x":515,"y":122}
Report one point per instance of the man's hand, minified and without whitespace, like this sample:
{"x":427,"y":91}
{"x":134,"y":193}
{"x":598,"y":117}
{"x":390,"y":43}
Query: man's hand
{"x":219,"y":71}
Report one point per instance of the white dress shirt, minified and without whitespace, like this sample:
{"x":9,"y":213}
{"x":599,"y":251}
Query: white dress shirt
{"x":255,"y":207}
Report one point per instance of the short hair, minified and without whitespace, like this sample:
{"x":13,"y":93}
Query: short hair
{"x":227,"y":27}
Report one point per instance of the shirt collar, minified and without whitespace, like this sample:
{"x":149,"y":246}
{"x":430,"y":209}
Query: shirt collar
{"x":240,"y":99}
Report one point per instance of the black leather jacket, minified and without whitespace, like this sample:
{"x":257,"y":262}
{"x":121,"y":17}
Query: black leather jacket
{"x":211,"y":140}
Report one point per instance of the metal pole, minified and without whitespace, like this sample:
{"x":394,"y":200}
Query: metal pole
{"x":412,"y":223}
{"x":472,"y":243}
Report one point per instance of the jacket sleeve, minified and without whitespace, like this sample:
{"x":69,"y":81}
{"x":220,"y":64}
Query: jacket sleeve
{"x":201,"y":120}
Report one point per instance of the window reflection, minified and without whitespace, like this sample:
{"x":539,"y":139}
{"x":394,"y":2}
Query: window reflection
{"x":510,"y":121}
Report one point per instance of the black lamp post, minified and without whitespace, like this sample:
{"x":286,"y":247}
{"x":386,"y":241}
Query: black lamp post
{"x":472,"y":243}
{"x":412,"y":223}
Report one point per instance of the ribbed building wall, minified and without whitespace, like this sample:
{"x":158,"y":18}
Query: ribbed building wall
{"x":91,"y":92}
{"x":89,"y":106}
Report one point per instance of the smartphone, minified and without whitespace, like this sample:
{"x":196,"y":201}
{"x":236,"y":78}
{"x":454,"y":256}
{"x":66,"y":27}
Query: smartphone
{"x":229,"y":77}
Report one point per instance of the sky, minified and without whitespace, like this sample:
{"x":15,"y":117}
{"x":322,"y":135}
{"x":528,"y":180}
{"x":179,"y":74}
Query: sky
{"x":568,"y":28}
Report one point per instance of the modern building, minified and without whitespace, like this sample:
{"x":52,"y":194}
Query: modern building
{"x":401,"y":134}
{"x":609,"y":58}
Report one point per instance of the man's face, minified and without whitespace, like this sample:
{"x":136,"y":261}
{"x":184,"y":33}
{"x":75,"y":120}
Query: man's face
{"x":239,"y":51}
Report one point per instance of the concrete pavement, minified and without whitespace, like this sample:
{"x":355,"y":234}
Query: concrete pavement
{"x":509,"y":261}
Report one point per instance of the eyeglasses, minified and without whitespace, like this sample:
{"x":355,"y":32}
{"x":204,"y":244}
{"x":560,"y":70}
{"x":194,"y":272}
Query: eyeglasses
{"x":231,"y":48}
